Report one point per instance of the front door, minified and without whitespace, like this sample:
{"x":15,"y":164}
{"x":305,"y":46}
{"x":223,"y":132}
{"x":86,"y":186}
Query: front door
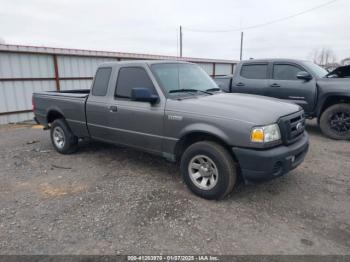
{"x":284,"y":84}
{"x":134,"y":123}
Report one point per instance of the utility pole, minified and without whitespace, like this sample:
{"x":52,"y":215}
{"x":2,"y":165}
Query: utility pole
{"x":241,"y":52}
{"x":180,"y":41}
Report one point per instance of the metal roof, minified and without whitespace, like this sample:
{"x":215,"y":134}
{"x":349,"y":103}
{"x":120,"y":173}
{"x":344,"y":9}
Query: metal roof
{"x":122,"y":55}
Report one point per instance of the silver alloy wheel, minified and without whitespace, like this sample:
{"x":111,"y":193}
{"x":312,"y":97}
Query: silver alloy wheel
{"x":58,"y":137}
{"x":203,"y":172}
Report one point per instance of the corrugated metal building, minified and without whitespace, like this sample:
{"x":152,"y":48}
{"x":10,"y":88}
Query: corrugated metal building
{"x":28,"y":69}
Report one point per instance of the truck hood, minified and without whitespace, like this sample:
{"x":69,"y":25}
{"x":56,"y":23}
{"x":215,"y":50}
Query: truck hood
{"x":340,"y":72}
{"x":334,"y":84}
{"x":257,"y":110}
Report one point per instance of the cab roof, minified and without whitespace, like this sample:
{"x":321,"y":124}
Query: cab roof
{"x":267,"y":60}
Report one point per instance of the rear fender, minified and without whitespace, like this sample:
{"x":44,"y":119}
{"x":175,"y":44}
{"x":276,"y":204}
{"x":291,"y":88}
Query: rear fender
{"x":51,"y":110}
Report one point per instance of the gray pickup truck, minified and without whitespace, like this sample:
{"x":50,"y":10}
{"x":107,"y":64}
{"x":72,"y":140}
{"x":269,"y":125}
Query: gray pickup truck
{"x":175,"y":110}
{"x":322,"y":95}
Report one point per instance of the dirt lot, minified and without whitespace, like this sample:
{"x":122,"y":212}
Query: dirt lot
{"x":112,"y":200}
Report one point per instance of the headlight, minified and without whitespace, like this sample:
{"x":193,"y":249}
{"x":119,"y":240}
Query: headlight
{"x":265,"y":134}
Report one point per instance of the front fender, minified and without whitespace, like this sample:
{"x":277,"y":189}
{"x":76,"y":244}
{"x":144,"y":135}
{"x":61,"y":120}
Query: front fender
{"x":205,"y":128}
{"x":326,"y":97}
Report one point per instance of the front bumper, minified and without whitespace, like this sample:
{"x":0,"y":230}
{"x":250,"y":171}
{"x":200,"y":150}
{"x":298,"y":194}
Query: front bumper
{"x":261,"y":165}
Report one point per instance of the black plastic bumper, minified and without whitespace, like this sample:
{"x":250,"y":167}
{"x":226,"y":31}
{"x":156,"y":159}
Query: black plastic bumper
{"x":262,"y":165}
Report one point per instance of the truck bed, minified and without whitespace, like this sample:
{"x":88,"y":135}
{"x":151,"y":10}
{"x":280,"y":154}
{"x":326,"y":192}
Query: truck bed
{"x":70,"y":103}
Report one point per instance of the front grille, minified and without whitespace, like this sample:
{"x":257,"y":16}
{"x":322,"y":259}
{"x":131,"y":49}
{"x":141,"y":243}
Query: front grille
{"x":292,"y":127}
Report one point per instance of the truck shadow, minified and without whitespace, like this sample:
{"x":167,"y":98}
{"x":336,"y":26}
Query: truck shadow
{"x":136,"y":160}
{"x":111,"y":156}
{"x":261,"y":191}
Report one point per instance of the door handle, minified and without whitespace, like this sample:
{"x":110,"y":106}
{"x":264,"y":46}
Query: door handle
{"x":240,"y":84}
{"x":113,"y":109}
{"x":275,"y":85}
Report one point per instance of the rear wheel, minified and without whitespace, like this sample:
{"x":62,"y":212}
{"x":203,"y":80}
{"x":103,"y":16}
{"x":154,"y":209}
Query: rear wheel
{"x":208,"y":170}
{"x":335,"y":121}
{"x":62,"y":138}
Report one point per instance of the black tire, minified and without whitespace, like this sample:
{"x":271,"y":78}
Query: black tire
{"x":70,"y":141}
{"x":329,"y":117}
{"x":224,"y":163}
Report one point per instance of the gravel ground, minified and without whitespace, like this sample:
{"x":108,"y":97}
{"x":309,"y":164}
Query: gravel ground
{"x":113,"y":200}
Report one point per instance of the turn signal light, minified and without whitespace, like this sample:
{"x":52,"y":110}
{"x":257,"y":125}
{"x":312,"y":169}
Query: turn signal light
{"x":257,"y":135}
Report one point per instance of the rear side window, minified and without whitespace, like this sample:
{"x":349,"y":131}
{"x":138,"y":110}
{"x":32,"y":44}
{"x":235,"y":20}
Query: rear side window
{"x":101,"y":81}
{"x":132,"y":77}
{"x":285,"y":72}
{"x":254,"y":71}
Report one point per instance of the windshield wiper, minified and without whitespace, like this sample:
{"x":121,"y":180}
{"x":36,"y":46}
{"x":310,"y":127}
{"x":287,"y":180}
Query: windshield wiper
{"x":213,"y":89}
{"x":188,"y":90}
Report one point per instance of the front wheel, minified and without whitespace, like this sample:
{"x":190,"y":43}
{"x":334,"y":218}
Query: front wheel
{"x":335,"y":121}
{"x":208,"y":170}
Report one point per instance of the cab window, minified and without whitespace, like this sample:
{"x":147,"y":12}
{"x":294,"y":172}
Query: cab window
{"x":254,"y":71}
{"x":132,"y":77}
{"x":101,"y":81}
{"x":285,"y":72}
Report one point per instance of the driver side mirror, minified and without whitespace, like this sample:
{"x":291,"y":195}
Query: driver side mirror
{"x":143,"y":94}
{"x":303,"y":75}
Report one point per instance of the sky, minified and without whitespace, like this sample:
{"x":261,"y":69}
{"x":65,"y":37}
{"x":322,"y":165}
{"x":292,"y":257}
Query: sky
{"x":152,"y":26}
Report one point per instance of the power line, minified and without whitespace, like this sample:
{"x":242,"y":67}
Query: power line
{"x":262,"y":24}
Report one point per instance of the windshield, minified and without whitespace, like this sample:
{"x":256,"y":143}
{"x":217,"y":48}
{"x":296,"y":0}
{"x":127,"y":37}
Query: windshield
{"x":177,"y":78}
{"x":316,"y":69}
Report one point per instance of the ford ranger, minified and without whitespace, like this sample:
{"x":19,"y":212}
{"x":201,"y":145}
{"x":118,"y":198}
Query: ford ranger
{"x":175,"y":110}
{"x":322,"y":95}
